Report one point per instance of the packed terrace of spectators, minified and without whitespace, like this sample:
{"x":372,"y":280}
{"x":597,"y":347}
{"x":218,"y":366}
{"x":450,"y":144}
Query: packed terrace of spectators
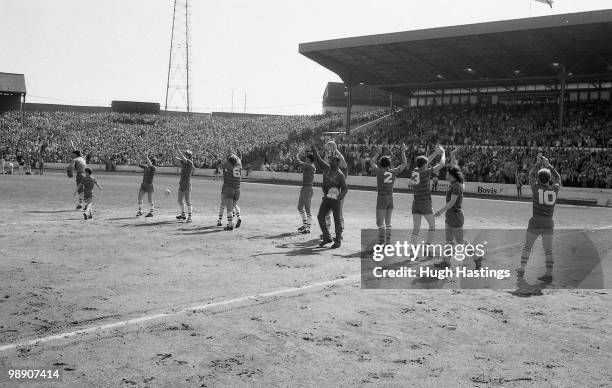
{"x":124,"y":138}
{"x":497,"y":142}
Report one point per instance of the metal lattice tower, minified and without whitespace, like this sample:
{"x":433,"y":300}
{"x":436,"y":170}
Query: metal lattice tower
{"x":177,"y":87}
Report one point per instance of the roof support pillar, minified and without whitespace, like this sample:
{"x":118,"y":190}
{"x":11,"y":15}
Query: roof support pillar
{"x":562,"y":97}
{"x":347,"y":124}
{"x":22,"y":108}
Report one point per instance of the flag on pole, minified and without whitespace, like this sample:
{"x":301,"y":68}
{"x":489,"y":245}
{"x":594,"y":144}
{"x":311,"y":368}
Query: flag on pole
{"x":549,"y":2}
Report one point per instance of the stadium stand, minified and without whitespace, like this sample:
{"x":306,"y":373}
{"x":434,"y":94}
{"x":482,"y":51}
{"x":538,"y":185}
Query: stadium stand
{"x":12,"y":91}
{"x":497,"y":141}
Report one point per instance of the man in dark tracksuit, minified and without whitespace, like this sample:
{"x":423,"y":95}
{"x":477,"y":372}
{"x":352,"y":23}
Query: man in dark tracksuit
{"x":334,"y":191}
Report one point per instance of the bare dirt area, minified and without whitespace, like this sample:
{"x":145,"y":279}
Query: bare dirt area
{"x":166,"y":303}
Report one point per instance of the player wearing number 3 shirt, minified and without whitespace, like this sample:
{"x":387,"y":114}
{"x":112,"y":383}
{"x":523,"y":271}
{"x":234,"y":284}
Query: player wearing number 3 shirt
{"x":385,"y":179}
{"x":545,"y":182}
{"x":231,"y":187}
{"x":422,"y":206}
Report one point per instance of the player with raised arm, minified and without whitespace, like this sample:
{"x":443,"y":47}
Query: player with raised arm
{"x":545,"y":182}
{"x":78,"y":165}
{"x":230,"y":191}
{"x":306,"y":191}
{"x":184,"y":191}
{"x":334,"y":191}
{"x":236,"y":211}
{"x":147,"y":185}
{"x":331,"y":149}
{"x":452,"y":210}
{"x":422,"y":204}
{"x":86,"y":187}
{"x":385,"y":179}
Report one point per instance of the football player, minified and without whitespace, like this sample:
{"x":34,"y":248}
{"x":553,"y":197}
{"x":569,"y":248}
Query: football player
{"x":334,"y":191}
{"x":230,"y":191}
{"x":147,"y":185}
{"x":86,"y":187}
{"x":78,"y":165}
{"x":422,"y":205}
{"x":306,"y":192}
{"x":545,"y":182}
{"x":452,"y":210}
{"x":385,"y":179}
{"x":184,"y":191}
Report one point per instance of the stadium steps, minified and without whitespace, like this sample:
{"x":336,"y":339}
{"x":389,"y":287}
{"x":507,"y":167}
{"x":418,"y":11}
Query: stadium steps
{"x":364,"y":127}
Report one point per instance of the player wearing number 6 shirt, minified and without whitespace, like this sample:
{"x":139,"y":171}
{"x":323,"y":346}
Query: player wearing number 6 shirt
{"x":545,"y":183}
{"x":422,"y":206}
{"x":231,"y":189}
{"x":334,"y":191}
{"x":385,"y":179}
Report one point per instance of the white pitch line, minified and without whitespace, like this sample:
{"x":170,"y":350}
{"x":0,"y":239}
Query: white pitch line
{"x":203,"y":307}
{"x":200,"y":307}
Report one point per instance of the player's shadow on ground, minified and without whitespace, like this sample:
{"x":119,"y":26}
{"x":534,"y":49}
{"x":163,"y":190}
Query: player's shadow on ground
{"x":352,"y":255}
{"x":304,"y":248}
{"x":121,"y":218}
{"x":277,"y":236}
{"x":201,"y":228}
{"x":49,"y":211}
{"x":526,"y":290}
{"x":201,"y":231}
{"x":150,"y":224}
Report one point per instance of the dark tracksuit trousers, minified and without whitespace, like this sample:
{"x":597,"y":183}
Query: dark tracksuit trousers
{"x":328,"y":204}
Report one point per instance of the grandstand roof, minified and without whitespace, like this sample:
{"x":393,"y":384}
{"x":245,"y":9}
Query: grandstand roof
{"x":502,"y":53}
{"x":12,"y":83}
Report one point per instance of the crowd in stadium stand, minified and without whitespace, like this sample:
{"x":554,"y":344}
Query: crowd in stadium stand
{"x":117,"y":139}
{"x":498,"y":141}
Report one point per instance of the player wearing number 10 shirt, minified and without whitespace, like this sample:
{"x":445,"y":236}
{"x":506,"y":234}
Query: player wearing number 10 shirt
{"x":545,"y":182}
{"x":231,"y":187}
{"x":385,"y":179}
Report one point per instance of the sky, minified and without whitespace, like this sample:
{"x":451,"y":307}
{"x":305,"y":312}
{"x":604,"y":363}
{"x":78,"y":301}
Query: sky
{"x":86,"y":52}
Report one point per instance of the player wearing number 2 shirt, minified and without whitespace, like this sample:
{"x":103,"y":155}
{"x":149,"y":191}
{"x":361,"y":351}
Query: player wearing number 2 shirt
{"x":545,"y":182}
{"x":385,"y":179}
{"x":231,"y":188}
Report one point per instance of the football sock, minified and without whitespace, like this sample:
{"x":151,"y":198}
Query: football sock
{"x":430,"y":235}
{"x":549,"y":262}
{"x":308,"y":218}
{"x":139,"y":206}
{"x":221,"y":210}
{"x":525,"y":257}
{"x":303,"y":215}
{"x":388,"y":233}
{"x":237,"y":211}
{"x":151,"y":207}
{"x":381,"y":234}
